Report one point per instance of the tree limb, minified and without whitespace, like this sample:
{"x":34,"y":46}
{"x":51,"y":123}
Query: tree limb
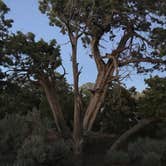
{"x":142,"y":38}
{"x":149,"y":60}
{"x":96,"y":54}
{"x":121,"y":46}
{"x":130,"y":132}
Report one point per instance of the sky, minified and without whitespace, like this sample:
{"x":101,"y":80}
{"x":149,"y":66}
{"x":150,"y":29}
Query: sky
{"x":28,"y":18}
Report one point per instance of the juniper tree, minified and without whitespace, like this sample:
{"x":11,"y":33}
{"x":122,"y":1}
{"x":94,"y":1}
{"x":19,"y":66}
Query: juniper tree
{"x":140,"y":40}
{"x":36,"y":61}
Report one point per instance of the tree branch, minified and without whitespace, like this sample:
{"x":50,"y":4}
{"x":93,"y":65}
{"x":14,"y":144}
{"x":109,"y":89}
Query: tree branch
{"x":143,"y":123}
{"x":96,"y":54}
{"x":142,"y":38}
{"x":149,"y":60}
{"x":121,"y":46}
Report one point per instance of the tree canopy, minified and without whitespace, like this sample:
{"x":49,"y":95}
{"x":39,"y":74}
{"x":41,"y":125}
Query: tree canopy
{"x":141,"y":26}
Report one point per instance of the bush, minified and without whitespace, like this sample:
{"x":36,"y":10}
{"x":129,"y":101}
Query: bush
{"x":14,"y":130}
{"x":142,"y":152}
{"x":35,"y":151}
{"x":32,"y":151}
{"x":163,"y":158}
{"x":146,"y":152}
{"x":151,"y":159}
{"x":23,"y":141}
{"x":117,"y":157}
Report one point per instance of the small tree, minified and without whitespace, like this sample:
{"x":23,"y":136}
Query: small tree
{"x":37,"y":62}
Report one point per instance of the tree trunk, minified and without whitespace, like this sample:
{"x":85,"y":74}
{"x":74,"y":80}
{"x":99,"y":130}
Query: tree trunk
{"x":77,"y":126}
{"x":55,"y":107}
{"x":98,"y":96}
{"x":143,"y":123}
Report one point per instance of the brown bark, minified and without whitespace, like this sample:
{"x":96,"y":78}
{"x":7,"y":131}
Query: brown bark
{"x":55,"y":107}
{"x":143,"y":123}
{"x":77,"y":126}
{"x":104,"y":78}
{"x":97,"y":98}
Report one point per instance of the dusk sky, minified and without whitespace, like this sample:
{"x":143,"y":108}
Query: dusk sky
{"x":28,"y":18}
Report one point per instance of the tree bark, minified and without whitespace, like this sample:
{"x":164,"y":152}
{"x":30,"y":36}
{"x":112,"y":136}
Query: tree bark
{"x":143,"y":123}
{"x":104,"y":78}
{"x":55,"y":107}
{"x":97,"y":99}
{"x":77,"y":126}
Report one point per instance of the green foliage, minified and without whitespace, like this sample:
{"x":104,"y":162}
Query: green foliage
{"x":23,"y":138}
{"x":141,"y":152}
{"x":5,"y":24}
{"x":23,"y":141}
{"x":14,"y":129}
{"x":163,"y":158}
{"x":119,"y":106}
{"x":27,"y":59}
{"x":65,"y":98}
{"x":159,"y":40}
{"x":86,"y":92}
{"x":100,"y":16}
{"x":35,"y":151}
{"x":151,"y":159}
{"x":117,"y":158}
{"x":18,"y":98}
{"x":153,"y":102}
{"x":146,"y":151}
{"x":31,"y":151}
{"x":143,"y":21}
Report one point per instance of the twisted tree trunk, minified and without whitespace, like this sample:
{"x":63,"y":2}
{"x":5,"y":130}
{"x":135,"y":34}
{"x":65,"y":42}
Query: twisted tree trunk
{"x":99,"y":93}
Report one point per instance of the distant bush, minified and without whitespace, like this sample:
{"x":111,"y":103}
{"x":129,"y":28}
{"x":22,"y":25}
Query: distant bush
{"x":142,"y":152}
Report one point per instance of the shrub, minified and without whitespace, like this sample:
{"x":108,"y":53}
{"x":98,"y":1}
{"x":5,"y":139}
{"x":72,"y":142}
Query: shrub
{"x":146,"y":152}
{"x":151,"y":159}
{"x":35,"y":151}
{"x":163,"y":158}
{"x":32,"y":151}
{"x":117,"y":157}
{"x":14,"y":130}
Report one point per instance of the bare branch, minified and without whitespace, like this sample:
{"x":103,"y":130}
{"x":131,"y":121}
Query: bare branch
{"x":80,"y":71}
{"x":64,"y":70}
{"x":82,"y":32}
{"x":121,"y":46}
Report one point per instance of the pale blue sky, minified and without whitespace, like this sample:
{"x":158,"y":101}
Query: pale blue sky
{"x":27,"y":18}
